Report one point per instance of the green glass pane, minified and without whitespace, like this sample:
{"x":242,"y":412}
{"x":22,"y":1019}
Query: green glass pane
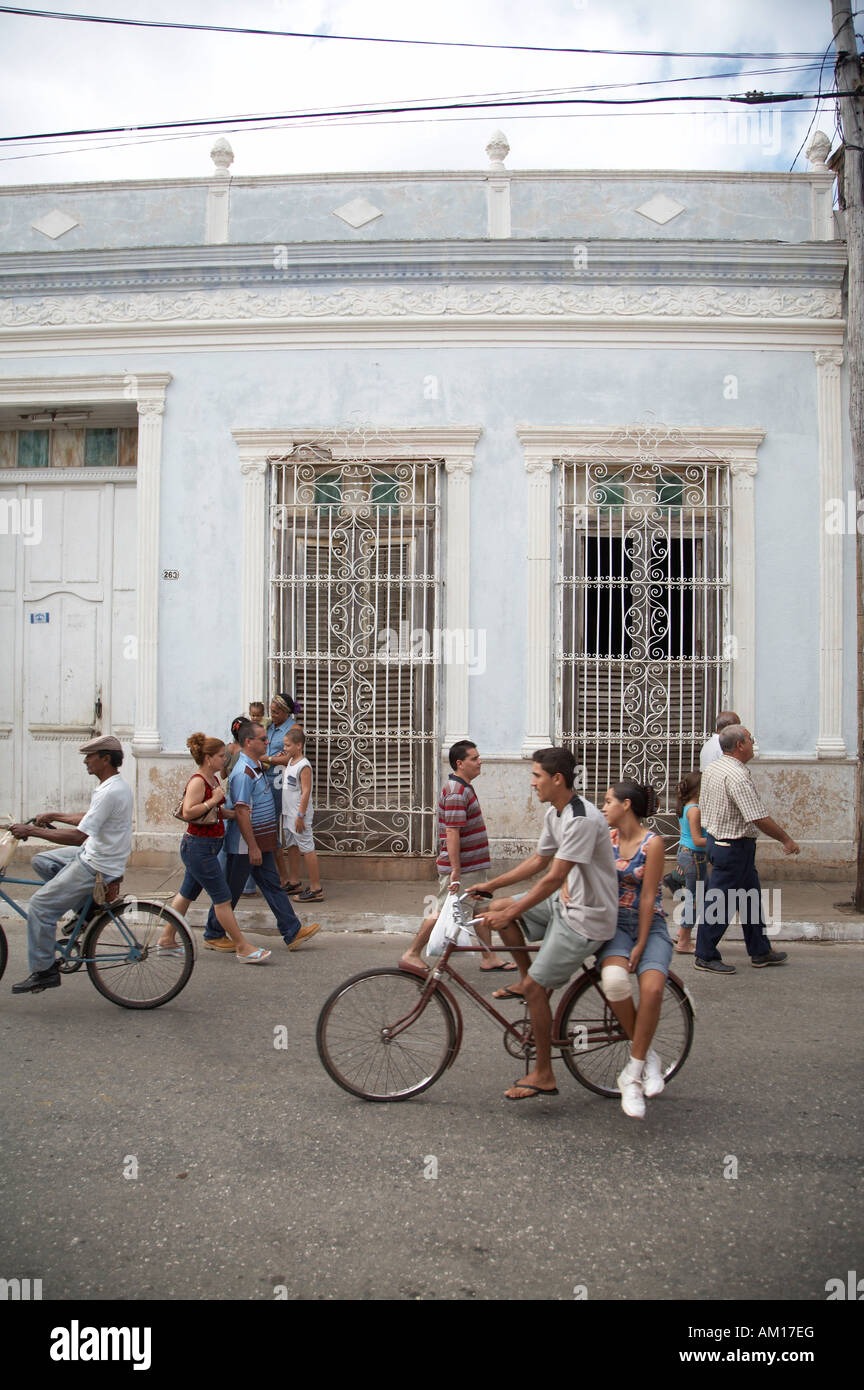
{"x":328,"y":493}
{"x":33,"y":449}
{"x":384,"y":495}
{"x":100,"y":448}
{"x":610,"y":497}
{"x":670,"y":490}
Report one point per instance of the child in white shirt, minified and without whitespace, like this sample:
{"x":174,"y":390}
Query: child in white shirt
{"x":297,"y":816}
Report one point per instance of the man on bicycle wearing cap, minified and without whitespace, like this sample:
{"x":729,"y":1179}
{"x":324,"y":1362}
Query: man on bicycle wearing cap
{"x":93,"y":842}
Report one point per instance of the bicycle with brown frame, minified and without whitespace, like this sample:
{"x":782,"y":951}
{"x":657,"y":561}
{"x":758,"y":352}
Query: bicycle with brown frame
{"x":390,"y":1033}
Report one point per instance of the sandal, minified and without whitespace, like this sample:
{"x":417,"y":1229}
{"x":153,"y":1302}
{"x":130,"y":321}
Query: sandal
{"x":257,"y":957}
{"x":290,"y":887}
{"x":311,"y":895}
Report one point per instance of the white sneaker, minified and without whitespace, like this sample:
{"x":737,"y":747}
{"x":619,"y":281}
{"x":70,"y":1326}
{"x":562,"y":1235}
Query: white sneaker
{"x":652,"y":1077}
{"x":632,"y":1097}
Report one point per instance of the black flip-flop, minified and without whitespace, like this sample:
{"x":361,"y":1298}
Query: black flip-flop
{"x":490,"y":969}
{"x":532,"y":1091}
{"x":506,"y":993}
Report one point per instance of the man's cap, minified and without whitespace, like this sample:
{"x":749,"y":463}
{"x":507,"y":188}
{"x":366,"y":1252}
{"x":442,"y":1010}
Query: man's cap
{"x":106,"y":744}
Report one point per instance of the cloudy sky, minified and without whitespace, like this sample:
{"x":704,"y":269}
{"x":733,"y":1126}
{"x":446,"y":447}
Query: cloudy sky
{"x":65,"y":76}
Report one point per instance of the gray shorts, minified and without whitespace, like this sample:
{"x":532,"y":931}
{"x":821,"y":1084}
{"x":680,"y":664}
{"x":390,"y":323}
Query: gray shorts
{"x":471,"y":876}
{"x":563,"y":951}
{"x":291,"y":838}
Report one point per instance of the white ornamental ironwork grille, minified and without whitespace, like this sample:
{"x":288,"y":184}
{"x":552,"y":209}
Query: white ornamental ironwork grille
{"x":355,"y":599}
{"x":643,"y":649}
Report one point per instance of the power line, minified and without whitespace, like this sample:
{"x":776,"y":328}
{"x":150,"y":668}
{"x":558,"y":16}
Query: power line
{"x":816,"y":111}
{"x":474,"y":98}
{"x":336,"y":123}
{"x":750,"y":99}
{"x":359,"y":38}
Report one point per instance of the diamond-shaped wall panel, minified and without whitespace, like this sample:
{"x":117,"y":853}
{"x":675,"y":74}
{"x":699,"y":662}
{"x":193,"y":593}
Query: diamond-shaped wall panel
{"x":358,"y":212}
{"x":55,"y":224}
{"x":660,"y":208}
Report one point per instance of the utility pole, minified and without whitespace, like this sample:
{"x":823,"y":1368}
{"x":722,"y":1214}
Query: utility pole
{"x":848,"y":72}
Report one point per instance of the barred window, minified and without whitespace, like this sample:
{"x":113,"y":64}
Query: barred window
{"x":642,"y":643}
{"x":355,"y":600}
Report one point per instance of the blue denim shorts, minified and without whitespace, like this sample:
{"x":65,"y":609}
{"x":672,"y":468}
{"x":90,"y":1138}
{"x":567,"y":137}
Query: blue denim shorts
{"x":200,"y":856}
{"x":658,"y":948}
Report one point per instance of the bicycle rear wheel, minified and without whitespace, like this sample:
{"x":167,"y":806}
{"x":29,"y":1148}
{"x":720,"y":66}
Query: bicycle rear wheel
{"x":597,"y":1047}
{"x":4,"y":952}
{"x":355,"y":1043}
{"x":124,"y":961}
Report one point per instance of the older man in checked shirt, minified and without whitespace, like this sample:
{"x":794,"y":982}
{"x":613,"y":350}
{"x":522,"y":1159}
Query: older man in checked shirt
{"x":732,"y":814}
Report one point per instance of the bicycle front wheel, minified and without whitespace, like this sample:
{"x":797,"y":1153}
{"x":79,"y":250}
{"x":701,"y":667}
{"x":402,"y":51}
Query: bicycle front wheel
{"x":356,"y":1043}
{"x":4,"y":952}
{"x":124,"y":960}
{"x":597,"y":1048}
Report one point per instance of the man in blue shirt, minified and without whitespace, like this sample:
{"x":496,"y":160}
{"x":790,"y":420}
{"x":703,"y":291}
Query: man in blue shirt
{"x":251,"y":841}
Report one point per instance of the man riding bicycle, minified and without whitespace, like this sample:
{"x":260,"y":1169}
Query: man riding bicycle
{"x":574,"y":848}
{"x":97,"y":841}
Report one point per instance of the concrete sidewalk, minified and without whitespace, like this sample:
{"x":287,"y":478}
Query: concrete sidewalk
{"x":807,"y":911}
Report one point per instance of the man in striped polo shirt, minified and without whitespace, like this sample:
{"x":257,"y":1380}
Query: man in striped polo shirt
{"x":464,"y":851}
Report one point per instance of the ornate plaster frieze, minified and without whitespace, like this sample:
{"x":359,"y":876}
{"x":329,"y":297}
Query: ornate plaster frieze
{"x":420,"y":302}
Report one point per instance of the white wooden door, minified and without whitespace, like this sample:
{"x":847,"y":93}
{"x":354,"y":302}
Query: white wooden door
{"x":67,"y":610}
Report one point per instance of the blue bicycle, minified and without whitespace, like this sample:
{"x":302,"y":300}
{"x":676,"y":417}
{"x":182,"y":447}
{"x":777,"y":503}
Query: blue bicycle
{"x":118,"y":942}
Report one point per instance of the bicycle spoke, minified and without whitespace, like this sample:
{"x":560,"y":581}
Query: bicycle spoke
{"x":123,"y":958}
{"x":355,"y":1039}
{"x":589,"y":1020}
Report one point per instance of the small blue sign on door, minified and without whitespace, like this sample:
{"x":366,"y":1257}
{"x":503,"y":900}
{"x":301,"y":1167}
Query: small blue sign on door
{"x":39,"y":617}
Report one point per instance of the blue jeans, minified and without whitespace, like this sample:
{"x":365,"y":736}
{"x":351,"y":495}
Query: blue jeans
{"x":69,"y":882}
{"x":223,"y":865}
{"x":658,"y":947}
{"x":201,"y":859}
{"x":693,"y":864}
{"x":733,"y":870}
{"x":266,"y":876}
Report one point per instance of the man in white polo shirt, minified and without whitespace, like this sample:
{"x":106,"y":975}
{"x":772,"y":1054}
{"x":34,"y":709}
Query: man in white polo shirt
{"x":711,"y":750}
{"x":574,"y":848}
{"x":732,"y":816}
{"x":97,"y":841}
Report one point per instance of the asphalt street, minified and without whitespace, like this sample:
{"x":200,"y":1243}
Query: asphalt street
{"x":180,"y":1154}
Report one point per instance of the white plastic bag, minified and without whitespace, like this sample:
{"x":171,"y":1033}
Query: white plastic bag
{"x":8,"y":844}
{"x":449,"y":927}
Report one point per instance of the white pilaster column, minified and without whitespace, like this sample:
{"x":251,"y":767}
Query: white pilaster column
{"x":743,"y":616}
{"x":538,"y":595}
{"x":254,"y":608}
{"x":830,"y":742}
{"x":498,"y":188}
{"x":151,"y":405}
{"x":821,"y":189}
{"x":458,"y":593}
{"x":218,"y":205}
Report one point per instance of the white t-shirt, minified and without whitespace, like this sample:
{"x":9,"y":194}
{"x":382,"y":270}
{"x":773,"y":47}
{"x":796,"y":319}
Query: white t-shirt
{"x":592,"y":884}
{"x":710,"y":752}
{"x":108,"y":827}
{"x":292,"y":791}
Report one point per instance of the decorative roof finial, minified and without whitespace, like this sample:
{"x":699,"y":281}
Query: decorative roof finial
{"x":497,"y":149}
{"x":223,"y":157}
{"x":818,"y":150}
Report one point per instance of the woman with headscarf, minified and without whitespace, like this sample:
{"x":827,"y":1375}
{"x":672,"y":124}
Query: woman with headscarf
{"x":284,"y":712}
